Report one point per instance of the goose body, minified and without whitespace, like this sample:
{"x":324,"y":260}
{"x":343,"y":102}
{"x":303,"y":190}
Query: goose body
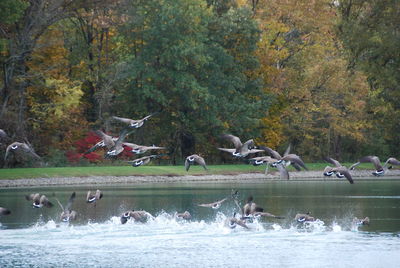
{"x":286,"y":159}
{"x":117,"y":148}
{"x":92,"y":198}
{"x":142,"y":161}
{"x":194,"y":158}
{"x":38,"y":200}
{"x":4,"y":211}
{"x":241,"y":150}
{"x":233,"y":222}
{"x":107,"y":142}
{"x":22,"y":149}
{"x":214,"y":205}
{"x":140,"y":149}
{"x":131,"y":122}
{"x":304,"y":217}
{"x":137,"y":216}
{"x":67,"y":214}
{"x":185,"y":215}
{"x":380,"y":171}
{"x":339,"y":170}
{"x":364,"y":221}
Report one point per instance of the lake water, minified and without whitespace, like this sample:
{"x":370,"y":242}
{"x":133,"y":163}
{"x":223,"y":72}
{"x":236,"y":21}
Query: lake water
{"x":36,"y":238}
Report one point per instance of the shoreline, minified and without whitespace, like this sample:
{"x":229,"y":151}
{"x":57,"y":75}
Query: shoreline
{"x":358,"y":175}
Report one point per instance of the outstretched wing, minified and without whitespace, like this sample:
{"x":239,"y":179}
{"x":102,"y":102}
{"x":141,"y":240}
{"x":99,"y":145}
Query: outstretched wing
{"x":271,"y":152}
{"x":235,"y":140}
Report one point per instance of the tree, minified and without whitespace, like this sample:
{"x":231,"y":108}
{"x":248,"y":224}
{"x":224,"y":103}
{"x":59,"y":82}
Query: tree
{"x":191,"y":64}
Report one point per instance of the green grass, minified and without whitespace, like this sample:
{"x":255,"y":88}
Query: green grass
{"x":18,"y":173}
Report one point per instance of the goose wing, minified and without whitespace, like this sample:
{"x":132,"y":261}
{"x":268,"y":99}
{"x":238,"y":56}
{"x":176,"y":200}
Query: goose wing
{"x":332,"y":161}
{"x":392,"y":161}
{"x":267,"y":214}
{"x":200,"y":160}
{"x":293,"y":158}
{"x":213,"y":204}
{"x":234,"y":139}
{"x":283,"y":173}
{"x":123,"y":120}
{"x":187,"y":164}
{"x":372,"y":159}
{"x":45,"y":201}
{"x":287,"y":151}
{"x":107,"y":139}
{"x":271,"y":152}
{"x":70,"y":201}
{"x":227,"y":150}
{"x":344,"y":171}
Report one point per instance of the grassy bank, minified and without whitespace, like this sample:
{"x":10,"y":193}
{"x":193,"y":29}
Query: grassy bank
{"x":18,"y":173}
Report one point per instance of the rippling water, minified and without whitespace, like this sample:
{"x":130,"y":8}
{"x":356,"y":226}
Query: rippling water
{"x":36,"y":238}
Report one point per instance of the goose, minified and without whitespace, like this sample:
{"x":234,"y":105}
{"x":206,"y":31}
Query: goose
{"x":194,"y":158}
{"x":364,"y":221}
{"x":287,"y":159}
{"x":107,"y":141}
{"x":4,"y":211}
{"x":140,"y":149}
{"x":117,"y":148}
{"x":137,"y":215}
{"x":241,"y":150}
{"x":380,"y":171}
{"x":20,"y":147}
{"x":39,"y":200}
{"x":214,"y":205}
{"x":251,"y":209}
{"x":339,"y":170}
{"x":232,"y":222}
{"x":269,"y":161}
{"x":142,"y":161}
{"x":67,"y":214}
{"x":185,"y":215}
{"x":304,"y":217}
{"x":133,"y":123}
{"x":391,"y":161}
{"x":92,"y":198}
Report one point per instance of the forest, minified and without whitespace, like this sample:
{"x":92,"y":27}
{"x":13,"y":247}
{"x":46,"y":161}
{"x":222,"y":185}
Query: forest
{"x":321,"y":75}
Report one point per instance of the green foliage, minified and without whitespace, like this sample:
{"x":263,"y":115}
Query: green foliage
{"x":192,"y":65}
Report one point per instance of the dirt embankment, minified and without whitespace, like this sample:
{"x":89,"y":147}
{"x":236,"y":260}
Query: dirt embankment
{"x":248,"y":177}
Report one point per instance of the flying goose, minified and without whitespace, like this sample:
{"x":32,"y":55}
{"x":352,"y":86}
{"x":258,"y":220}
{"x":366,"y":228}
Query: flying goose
{"x":138,"y":216}
{"x":391,"y":161}
{"x":133,"y":123}
{"x":185,"y":215}
{"x":142,"y":161}
{"x":194,"y":158}
{"x":107,"y":141}
{"x":269,"y":161}
{"x":241,"y":150}
{"x":339,"y":170}
{"x":380,"y":171}
{"x":117,"y":148}
{"x":4,"y":211}
{"x":20,"y":147}
{"x":67,"y":214}
{"x":304,"y":217}
{"x":92,"y":198}
{"x":287,"y":159}
{"x":39,"y":200}
{"x":140,"y":149}
{"x":364,"y":221}
{"x":232,"y":222}
{"x":214,"y":205}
